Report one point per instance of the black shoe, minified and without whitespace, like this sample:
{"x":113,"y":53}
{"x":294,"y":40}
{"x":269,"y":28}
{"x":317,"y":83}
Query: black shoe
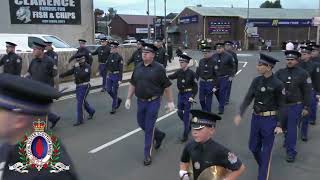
{"x":184,"y":139}
{"x":77,"y":123}
{"x":158,"y":142}
{"x":227,"y":103}
{"x":220,"y":113}
{"x":147,"y":161}
{"x":53,"y":124}
{"x":91,"y":115}
{"x":304,"y":138}
{"x":119,"y":103}
{"x":103,"y":90}
{"x":290,"y":159}
{"x":113,"y":111}
{"x":312,"y":123}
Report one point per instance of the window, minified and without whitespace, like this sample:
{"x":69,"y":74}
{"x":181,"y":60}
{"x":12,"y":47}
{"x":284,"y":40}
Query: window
{"x":57,"y":43}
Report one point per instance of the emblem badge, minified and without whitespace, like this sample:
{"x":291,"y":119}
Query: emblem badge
{"x":112,"y":60}
{"x":206,"y":65}
{"x":196,"y":165}
{"x":40,"y":151}
{"x":309,"y":81}
{"x":216,"y":67}
{"x":7,"y":60}
{"x":86,"y":70}
{"x":318,"y":70}
{"x":219,"y":60}
{"x":283,"y":91}
{"x":289,"y":77}
{"x":263,"y":89}
{"x":18,"y":60}
{"x":232,"y":158}
{"x":183,"y":81}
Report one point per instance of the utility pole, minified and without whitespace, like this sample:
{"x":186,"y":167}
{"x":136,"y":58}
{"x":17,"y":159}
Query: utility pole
{"x":246,"y":39}
{"x":165,"y":21}
{"x":148,"y":20}
{"x":155,"y":20}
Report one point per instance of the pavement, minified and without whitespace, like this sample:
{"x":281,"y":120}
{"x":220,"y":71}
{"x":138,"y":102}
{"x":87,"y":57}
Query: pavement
{"x":110,"y":147}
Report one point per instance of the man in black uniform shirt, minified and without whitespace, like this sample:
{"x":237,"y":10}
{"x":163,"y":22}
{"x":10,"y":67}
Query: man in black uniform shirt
{"x":114,"y":68}
{"x":203,"y":152}
{"x":229,"y":48}
{"x":297,"y":105}
{"x":188,"y":88}
{"x":50,"y":52}
{"x":208,"y":79}
{"x":103,"y":53}
{"x":43,"y":69}
{"x":315,"y":55}
{"x":22,"y":102}
{"x":315,"y":82}
{"x":136,"y":57}
{"x":11,"y":62}
{"x":83,"y":50}
{"x":149,"y":82}
{"x":81,"y":72}
{"x":224,"y":67}
{"x":268,"y":94}
{"x":161,"y":53}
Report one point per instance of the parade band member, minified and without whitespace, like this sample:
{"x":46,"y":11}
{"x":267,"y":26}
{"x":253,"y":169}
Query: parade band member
{"x":114,"y":68}
{"x":268,"y":94}
{"x":225,"y":70}
{"x":43,"y":69}
{"x":208,"y":79}
{"x":83,"y":50}
{"x":81,"y":71}
{"x":149,"y":82}
{"x":188,"y":88}
{"x":297,"y":105}
{"x":136,"y":57}
{"x":22,"y":102}
{"x":11,"y":62}
{"x":315,"y":82}
{"x":229,"y":48}
{"x":204,"y":152}
{"x":103,"y":53}
{"x":161,"y":52}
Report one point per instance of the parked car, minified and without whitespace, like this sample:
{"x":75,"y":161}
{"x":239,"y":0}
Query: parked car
{"x":25,"y":42}
{"x":92,"y":47}
{"x":129,"y":43}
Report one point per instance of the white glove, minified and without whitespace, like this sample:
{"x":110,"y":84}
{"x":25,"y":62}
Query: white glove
{"x":76,"y":64}
{"x":127,"y":104}
{"x":230,"y":78}
{"x":318,"y":96}
{"x":214,"y":89}
{"x":119,"y":82}
{"x":183,"y":175}
{"x":97,"y":74}
{"x":191,"y":100}
{"x":170,"y":106}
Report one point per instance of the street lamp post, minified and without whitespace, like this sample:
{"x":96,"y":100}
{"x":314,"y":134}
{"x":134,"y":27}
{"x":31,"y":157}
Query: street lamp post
{"x":165,"y":22}
{"x":148,"y":20}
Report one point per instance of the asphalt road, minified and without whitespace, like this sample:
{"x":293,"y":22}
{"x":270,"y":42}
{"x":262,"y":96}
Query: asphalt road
{"x":122,"y":156}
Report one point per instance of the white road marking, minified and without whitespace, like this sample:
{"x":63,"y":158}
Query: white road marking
{"x":239,"y":72}
{"x":91,"y":92}
{"x":95,"y":150}
{"x":244,"y":55}
{"x":244,"y":63}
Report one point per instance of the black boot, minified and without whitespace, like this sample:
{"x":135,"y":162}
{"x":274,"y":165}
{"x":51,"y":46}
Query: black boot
{"x":159,"y":141}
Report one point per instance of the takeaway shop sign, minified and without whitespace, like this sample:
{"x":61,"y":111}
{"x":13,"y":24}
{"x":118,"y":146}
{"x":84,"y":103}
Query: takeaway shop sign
{"x":45,"y":11}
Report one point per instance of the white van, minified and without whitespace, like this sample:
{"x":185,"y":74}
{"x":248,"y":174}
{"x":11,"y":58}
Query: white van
{"x":25,"y":41}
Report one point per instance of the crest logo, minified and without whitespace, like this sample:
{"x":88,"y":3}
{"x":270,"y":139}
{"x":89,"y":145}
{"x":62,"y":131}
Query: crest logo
{"x":24,"y":14}
{"x":39,"y":151}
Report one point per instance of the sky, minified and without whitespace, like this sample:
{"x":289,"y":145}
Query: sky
{"x":140,"y":6}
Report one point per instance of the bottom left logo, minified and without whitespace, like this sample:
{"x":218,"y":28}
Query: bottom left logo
{"x":39,"y":151}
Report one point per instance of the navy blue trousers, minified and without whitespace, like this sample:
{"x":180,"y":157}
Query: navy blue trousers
{"x":229,"y":91}
{"x":205,"y":95}
{"x":261,"y":142}
{"x":112,"y":88}
{"x":292,"y":117}
{"x":184,"y":107}
{"x":223,"y":85}
{"x":103,"y":74}
{"x":147,"y":116}
{"x":81,"y":94}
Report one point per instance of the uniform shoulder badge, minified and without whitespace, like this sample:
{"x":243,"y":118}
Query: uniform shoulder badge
{"x":309,"y":81}
{"x":39,"y":151}
{"x":232,"y":158}
{"x":86,"y":70}
{"x":283,"y":91}
{"x":196,"y":165}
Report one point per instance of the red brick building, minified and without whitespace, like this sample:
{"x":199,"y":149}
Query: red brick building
{"x":219,"y":24}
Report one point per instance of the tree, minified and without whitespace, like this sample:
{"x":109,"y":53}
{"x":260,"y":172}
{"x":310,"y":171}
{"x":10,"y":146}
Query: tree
{"x":97,"y":13}
{"x":269,"y":4}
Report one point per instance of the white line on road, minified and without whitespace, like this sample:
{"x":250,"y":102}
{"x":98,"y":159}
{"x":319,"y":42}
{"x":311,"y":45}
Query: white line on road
{"x":239,"y":72}
{"x":244,"y":63}
{"x":90,"y":92}
{"x":126,"y":135}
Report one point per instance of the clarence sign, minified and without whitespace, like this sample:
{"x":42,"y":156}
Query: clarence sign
{"x":45,"y":11}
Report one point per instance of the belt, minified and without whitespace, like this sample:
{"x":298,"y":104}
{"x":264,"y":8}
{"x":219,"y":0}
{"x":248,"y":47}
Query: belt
{"x":295,"y":103}
{"x":223,"y":76}
{"x":115,"y":72}
{"x":102,"y":63}
{"x":81,"y":84}
{"x":186,"y":90}
{"x":267,"y":113}
{"x":149,"y":99}
{"x":207,"y":80}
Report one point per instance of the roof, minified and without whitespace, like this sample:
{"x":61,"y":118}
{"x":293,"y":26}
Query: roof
{"x":136,"y":19}
{"x":257,"y":13}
